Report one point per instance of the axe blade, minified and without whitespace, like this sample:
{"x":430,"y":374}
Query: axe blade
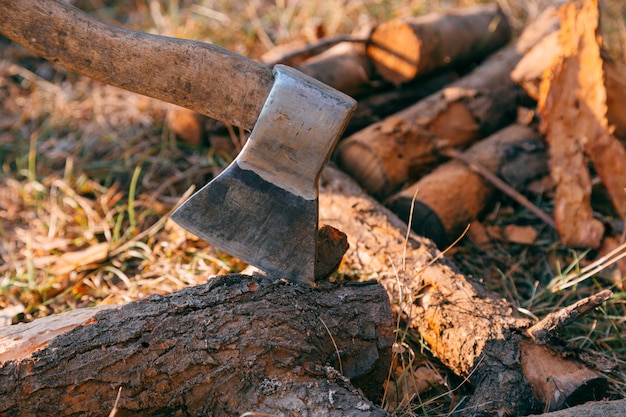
{"x":263,"y":209}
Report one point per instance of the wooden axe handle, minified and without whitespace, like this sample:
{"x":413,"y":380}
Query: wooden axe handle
{"x":202,"y":77}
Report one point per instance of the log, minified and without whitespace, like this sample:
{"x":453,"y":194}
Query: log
{"x":531,"y":67}
{"x":398,"y":150}
{"x":475,"y":333}
{"x":403,"y":49}
{"x":345,"y":67}
{"x":453,"y":195}
{"x":296,"y":52}
{"x":377,"y":105}
{"x":238,"y":344}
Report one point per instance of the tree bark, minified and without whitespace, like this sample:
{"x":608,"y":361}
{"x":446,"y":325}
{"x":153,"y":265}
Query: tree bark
{"x":398,"y":150}
{"x":234,"y":345}
{"x":515,"y":153}
{"x":474,"y":332}
{"x":404,"y":49}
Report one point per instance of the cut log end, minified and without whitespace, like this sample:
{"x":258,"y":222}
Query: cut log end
{"x":395,"y":51}
{"x":558,"y":381}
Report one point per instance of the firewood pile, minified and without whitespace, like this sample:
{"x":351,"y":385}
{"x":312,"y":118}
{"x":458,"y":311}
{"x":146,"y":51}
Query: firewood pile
{"x":455,"y":110}
{"x":453,"y":113}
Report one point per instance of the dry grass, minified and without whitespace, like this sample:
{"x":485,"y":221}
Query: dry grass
{"x":90,"y":173}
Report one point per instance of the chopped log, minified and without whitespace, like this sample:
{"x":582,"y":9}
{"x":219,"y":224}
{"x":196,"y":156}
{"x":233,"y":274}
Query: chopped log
{"x":573,"y":111}
{"x":345,"y":67}
{"x":472,"y":331}
{"x":531,"y":67}
{"x":403,"y":49}
{"x":376,"y":106}
{"x":296,"y":52}
{"x":453,"y":195}
{"x":557,"y":381}
{"x":398,"y":150}
{"x":235,"y":345}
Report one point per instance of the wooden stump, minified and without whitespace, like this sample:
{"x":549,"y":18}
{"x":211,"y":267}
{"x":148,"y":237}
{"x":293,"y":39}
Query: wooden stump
{"x":234,"y":345}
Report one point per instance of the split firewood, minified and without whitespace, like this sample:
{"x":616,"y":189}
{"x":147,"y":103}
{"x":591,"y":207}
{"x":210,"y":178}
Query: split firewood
{"x":449,"y":198}
{"x":404,"y":49}
{"x":530,"y":69}
{"x":573,"y":111}
{"x":345,"y":67}
{"x":475,"y":333}
{"x":398,"y":150}
{"x":236,"y":345}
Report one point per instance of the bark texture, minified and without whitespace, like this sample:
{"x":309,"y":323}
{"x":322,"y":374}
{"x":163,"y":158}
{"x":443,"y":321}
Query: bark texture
{"x":236,"y":344}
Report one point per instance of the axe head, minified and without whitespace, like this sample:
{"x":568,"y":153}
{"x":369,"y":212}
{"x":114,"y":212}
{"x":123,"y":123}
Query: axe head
{"x":263,"y":208}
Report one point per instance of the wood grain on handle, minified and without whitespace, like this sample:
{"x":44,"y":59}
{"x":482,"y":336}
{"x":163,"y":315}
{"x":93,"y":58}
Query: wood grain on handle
{"x":202,"y":77}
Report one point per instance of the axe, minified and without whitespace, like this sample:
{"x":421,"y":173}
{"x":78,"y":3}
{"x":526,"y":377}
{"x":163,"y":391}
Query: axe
{"x":263,"y":208}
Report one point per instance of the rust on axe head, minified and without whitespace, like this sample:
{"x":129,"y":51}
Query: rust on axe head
{"x":263,"y":208}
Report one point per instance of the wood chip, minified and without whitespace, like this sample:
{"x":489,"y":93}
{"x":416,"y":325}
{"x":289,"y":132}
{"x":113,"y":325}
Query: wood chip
{"x":525,"y":235}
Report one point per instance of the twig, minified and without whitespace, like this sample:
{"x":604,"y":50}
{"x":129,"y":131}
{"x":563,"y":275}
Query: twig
{"x":499,"y":184}
{"x":113,"y":412}
{"x":545,"y":329}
